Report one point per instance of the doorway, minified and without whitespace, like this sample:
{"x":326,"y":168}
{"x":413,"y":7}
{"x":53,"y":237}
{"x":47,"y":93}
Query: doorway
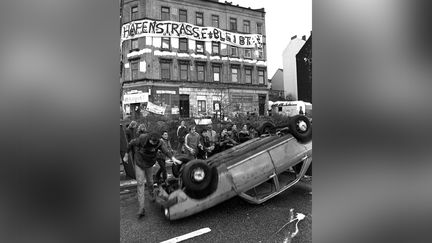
{"x":184,"y":105}
{"x":261,"y":104}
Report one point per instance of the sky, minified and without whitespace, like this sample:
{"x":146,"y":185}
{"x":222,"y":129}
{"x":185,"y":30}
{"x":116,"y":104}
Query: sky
{"x":284,"y":19}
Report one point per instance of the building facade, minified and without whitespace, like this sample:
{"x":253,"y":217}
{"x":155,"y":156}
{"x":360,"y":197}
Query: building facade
{"x":193,"y":58}
{"x":277,"y":91}
{"x":289,"y":85}
{"x":304,"y":71}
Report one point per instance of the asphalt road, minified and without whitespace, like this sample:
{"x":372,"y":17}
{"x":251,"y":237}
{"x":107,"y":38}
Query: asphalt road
{"x":234,"y":220}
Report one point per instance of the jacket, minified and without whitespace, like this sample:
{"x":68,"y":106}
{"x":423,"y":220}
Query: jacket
{"x":192,"y":140}
{"x":160,"y":154}
{"x":130,"y":134}
{"x":181,"y":133}
{"x":212,"y":136}
{"x":145,"y":155}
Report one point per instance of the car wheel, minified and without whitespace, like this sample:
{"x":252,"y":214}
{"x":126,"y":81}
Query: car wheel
{"x":176,"y":168}
{"x":199,"y":179}
{"x":196,"y":175}
{"x":300,"y":127}
{"x":266,"y":128}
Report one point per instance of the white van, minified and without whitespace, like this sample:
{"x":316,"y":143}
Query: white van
{"x":291,"y":108}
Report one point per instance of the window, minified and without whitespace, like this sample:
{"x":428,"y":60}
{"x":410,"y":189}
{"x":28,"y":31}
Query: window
{"x":165,"y":68}
{"x":134,"y":12}
{"x":261,"y":76}
{"x":199,"y":19}
{"x":234,"y":51}
{"x":216,"y":73}
{"x":183,"y":45}
{"x":166,"y":43}
{"x":234,"y":74}
{"x":134,"y":69}
{"x":134,"y":44}
{"x":248,"y":75}
{"x":184,"y":70}
{"x":246,"y":26}
{"x":165,"y":13}
{"x":182,"y":15}
{"x":215,"y":21}
{"x":216,"y":48}
{"x":201,"y":106}
{"x":233,"y":24}
{"x":247,"y":53}
{"x":201,"y":72}
{"x":200,"y":47}
{"x":259,"y":28}
{"x":216,"y":105}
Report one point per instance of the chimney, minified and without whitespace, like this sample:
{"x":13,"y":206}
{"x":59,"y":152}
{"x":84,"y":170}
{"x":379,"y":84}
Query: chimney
{"x":292,"y":38}
{"x":304,"y":38}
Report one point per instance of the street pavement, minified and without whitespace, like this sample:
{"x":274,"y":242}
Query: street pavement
{"x":234,"y":220}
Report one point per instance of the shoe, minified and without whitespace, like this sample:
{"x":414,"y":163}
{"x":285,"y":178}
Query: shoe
{"x":141,"y":214}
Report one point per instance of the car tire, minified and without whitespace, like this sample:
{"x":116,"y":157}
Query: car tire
{"x":176,"y":168}
{"x":301,"y":128}
{"x":193,"y":168}
{"x":266,"y":128}
{"x":205,"y":187}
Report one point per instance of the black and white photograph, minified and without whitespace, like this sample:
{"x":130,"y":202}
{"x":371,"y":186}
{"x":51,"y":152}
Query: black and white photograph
{"x":214,"y":103}
{"x":215,"y":121}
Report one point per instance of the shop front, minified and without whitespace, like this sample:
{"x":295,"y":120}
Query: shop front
{"x":138,"y":102}
{"x":134,"y":103}
{"x":166,"y":97}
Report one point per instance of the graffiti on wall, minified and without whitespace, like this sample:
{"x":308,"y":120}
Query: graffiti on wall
{"x":155,"y":28}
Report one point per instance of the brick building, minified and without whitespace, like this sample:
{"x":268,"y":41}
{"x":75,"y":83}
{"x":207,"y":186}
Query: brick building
{"x":194,"y":58}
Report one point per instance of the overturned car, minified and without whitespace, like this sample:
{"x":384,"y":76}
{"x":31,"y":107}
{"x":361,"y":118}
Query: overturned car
{"x":256,"y":170}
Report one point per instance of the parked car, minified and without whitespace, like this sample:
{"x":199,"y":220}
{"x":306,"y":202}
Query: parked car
{"x":255,"y":170}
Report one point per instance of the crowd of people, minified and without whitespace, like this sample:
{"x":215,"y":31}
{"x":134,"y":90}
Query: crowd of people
{"x":148,"y":148}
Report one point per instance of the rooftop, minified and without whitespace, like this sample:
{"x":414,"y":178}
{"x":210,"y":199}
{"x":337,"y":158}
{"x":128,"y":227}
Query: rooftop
{"x":230,"y":4}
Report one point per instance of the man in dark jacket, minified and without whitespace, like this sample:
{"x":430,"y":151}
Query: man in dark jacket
{"x":131,"y":131}
{"x":142,"y":129}
{"x":145,"y":157}
{"x":225,"y":141}
{"x":181,"y":133}
{"x":162,"y":158}
{"x":234,"y":133}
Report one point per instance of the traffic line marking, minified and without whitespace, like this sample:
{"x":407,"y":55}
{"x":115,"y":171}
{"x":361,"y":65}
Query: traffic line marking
{"x":188,"y":235}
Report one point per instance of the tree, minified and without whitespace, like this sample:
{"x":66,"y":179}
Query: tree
{"x":225,"y":102}
{"x":290,"y":97}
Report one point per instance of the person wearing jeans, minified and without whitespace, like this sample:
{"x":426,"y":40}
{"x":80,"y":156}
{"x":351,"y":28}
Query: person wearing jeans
{"x":147,"y":145}
{"x":161,"y":159}
{"x":181,"y":133}
{"x":192,"y":142}
{"x":142,"y":176}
